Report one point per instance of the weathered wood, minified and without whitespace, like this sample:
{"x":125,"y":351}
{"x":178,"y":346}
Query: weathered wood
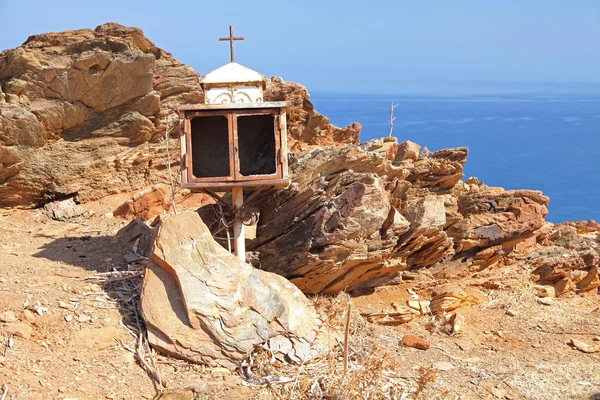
{"x":237,"y":194}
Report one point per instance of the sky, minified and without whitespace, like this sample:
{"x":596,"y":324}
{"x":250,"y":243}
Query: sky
{"x":355,"y":45}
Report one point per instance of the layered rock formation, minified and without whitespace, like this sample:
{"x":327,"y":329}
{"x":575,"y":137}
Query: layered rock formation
{"x":361,"y":215}
{"x":83,"y":112}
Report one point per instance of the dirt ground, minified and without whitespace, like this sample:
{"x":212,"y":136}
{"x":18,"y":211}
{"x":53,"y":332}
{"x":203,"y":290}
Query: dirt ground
{"x":65,"y":336}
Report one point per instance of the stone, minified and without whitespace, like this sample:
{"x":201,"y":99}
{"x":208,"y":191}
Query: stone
{"x":18,"y":329}
{"x":137,"y":235}
{"x":457,"y":322}
{"x":407,"y":151}
{"x":547,"y":301}
{"x":63,"y":210}
{"x":443,"y":366}
{"x":83,"y":318}
{"x":65,"y":136}
{"x":498,"y":217}
{"x":584,"y":347}
{"x":204,"y":305}
{"x":156,"y":200}
{"x":415,"y":342}
{"x":8,"y":316}
{"x":29,"y":316}
{"x":96,"y":339}
{"x":220,"y":371}
{"x":448,"y":298}
{"x":546,"y":291}
{"x":401,"y":315}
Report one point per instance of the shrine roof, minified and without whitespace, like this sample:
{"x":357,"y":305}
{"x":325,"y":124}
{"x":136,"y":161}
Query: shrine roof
{"x":232,"y":73}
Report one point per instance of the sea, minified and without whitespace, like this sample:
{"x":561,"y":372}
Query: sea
{"x":542,"y":141}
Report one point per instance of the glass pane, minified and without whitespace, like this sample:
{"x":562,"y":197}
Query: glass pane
{"x":210,"y":147}
{"x":256,"y":142}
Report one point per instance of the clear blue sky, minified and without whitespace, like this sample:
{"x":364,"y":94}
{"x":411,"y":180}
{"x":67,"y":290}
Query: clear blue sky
{"x":351,"y":45}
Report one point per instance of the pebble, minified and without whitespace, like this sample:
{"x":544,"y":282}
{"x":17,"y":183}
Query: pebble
{"x":8,"y":316}
{"x":547,"y":301}
{"x":443,"y":366}
{"x":84,"y":318}
{"x":220,"y":371}
{"x":415,"y":342}
{"x":19,"y":329}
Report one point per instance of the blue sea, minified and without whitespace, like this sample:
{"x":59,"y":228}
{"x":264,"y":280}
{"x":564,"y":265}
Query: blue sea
{"x":548,"y":142}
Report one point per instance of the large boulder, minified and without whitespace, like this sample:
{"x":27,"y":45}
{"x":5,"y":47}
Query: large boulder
{"x":203,"y":304}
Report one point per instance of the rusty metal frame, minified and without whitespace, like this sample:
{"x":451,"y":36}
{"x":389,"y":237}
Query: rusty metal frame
{"x":235,"y":178}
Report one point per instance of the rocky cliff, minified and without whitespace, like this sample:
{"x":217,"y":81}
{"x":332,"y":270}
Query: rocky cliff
{"x":85,"y":113}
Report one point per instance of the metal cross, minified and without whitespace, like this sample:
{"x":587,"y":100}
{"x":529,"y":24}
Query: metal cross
{"x":231,"y":38}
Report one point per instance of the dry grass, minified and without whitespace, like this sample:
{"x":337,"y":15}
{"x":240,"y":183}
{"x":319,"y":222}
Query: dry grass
{"x":373,"y":371}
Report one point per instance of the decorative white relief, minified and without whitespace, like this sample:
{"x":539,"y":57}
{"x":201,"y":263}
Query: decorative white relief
{"x":234,"y":94}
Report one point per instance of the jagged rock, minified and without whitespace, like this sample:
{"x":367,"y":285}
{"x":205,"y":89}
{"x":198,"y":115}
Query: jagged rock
{"x":334,"y":228}
{"x":203,"y":304}
{"x":407,"y":151}
{"x":156,"y":200}
{"x":401,"y":315}
{"x":136,"y":235}
{"x":498,"y":217}
{"x":449,"y":297}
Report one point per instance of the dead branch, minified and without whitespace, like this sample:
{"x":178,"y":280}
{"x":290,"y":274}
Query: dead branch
{"x":173,"y":189}
{"x":346,"y":338}
{"x":392,"y":118}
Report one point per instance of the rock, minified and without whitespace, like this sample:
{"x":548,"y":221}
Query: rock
{"x":415,"y":342}
{"x":96,"y":339}
{"x":204,"y":305}
{"x":29,"y":316}
{"x":63,"y":210}
{"x":220,"y":371}
{"x":136,"y":235}
{"x":325,"y":232}
{"x":65,"y":136}
{"x":402,"y":315}
{"x":584,"y":347}
{"x":443,"y":366}
{"x":156,"y":200}
{"x":18,"y":329}
{"x":546,"y":291}
{"x":448,"y":298}
{"x":61,"y":136}
{"x":407,"y":151}
{"x":547,"y":301}
{"x":457,"y":322}
{"x":8,"y":316}
{"x":498,"y":217}
{"x":83,"y":318}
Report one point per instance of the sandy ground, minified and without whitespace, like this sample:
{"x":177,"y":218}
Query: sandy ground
{"x":69,"y":336}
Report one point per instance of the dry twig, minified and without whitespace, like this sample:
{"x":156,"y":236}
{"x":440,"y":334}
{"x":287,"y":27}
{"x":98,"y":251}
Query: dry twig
{"x":346,"y":338}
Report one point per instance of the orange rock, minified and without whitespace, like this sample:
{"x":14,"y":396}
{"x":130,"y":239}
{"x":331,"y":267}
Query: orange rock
{"x":415,"y":341}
